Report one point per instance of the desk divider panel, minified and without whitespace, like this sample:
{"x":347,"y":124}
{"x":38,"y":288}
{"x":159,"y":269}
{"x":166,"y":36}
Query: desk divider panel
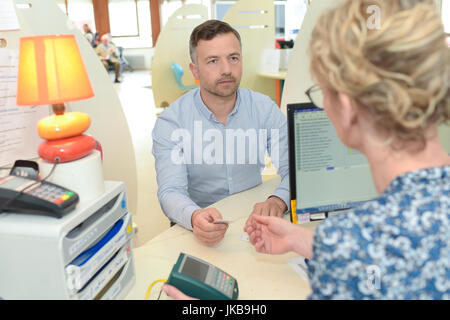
{"x":255,"y":22}
{"x":173,"y":46}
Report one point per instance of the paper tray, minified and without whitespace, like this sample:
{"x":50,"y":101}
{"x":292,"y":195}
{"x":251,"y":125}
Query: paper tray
{"x":86,"y":265}
{"x":105,"y":275}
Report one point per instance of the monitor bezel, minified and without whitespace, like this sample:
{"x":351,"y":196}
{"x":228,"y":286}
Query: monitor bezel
{"x":291,"y":109}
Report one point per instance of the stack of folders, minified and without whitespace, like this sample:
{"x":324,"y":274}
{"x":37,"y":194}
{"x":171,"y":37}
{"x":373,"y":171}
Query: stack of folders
{"x":94,"y":268}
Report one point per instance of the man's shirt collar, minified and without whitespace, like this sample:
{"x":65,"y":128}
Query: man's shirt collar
{"x":208,"y":114}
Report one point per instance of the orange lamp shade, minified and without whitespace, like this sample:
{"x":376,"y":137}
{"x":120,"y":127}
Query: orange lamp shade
{"x":51,"y":71}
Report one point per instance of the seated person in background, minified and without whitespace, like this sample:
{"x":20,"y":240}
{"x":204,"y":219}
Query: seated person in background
{"x":89,"y":37}
{"x":87,"y":30}
{"x":198,"y":160}
{"x":96,"y":40}
{"x":88,"y":33}
{"x":385,"y":91}
{"x":107,"y":53}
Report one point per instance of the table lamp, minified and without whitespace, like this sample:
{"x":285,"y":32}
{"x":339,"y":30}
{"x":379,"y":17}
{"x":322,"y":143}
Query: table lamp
{"x":52,"y":72}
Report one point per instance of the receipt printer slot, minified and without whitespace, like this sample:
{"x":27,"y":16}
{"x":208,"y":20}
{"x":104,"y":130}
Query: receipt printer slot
{"x":93,"y":228}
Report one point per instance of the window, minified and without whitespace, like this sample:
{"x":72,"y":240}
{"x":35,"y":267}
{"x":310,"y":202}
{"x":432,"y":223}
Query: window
{"x":222,"y":8}
{"x":80,"y":12}
{"x":280,"y":19}
{"x":294,"y":14}
{"x":133,"y":28}
{"x":123,"y":18}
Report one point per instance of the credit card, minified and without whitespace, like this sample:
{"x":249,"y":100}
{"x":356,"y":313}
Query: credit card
{"x":221,"y":222}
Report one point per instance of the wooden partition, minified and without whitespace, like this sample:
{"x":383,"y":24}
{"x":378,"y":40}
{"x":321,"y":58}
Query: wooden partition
{"x":109,"y":125}
{"x":173,"y":46}
{"x":255,"y":22}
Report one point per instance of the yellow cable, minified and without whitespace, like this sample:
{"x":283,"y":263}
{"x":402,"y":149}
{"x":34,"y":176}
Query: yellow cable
{"x":151,"y":286}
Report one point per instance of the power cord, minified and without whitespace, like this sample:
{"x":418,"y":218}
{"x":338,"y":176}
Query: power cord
{"x":7,"y":203}
{"x":147,"y":294}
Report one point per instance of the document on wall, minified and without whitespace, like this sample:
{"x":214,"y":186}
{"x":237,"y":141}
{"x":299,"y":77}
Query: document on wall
{"x":8,"y":16}
{"x":18,"y":135}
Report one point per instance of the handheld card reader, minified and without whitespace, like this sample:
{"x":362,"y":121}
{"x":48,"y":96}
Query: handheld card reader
{"x":201,"y":280}
{"x":24,"y":195}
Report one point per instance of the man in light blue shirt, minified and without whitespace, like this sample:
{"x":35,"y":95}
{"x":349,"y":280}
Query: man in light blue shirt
{"x":212,"y":141}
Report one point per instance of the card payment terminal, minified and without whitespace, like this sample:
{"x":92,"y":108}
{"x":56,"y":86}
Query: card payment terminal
{"x":38,"y":197}
{"x":201,"y":280}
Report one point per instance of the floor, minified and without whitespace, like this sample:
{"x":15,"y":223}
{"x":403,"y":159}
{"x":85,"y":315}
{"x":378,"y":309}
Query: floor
{"x":136,"y":95}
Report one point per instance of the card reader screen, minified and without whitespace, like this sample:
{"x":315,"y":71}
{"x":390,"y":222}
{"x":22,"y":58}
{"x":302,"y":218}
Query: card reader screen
{"x":195,"y":269}
{"x":14,"y":183}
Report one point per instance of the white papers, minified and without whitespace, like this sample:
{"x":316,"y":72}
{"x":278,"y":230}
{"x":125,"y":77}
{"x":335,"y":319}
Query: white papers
{"x":18,"y":135}
{"x":244,"y":237}
{"x":8,"y":17}
{"x":299,"y":265}
{"x":270,"y":61}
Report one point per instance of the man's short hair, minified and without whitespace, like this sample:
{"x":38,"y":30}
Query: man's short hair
{"x":207,"y":31}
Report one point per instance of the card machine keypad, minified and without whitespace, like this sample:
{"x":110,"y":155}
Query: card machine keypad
{"x":37,"y":197}
{"x":220,"y":280}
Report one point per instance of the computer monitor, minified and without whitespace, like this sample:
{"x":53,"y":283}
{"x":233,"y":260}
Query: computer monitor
{"x":326,"y":177}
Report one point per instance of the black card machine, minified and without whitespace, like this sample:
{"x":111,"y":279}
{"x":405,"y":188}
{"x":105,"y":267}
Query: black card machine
{"x":24,"y":195}
{"x":201,"y":280}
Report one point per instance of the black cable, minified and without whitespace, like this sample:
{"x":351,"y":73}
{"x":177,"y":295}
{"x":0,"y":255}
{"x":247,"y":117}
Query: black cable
{"x":7,"y":203}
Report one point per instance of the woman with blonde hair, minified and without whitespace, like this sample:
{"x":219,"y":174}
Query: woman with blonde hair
{"x":385,"y":90}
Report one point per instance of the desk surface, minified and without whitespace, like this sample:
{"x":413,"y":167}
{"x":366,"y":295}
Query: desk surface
{"x":259,"y":276}
{"x":278,"y":76}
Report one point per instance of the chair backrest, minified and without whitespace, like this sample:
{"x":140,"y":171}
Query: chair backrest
{"x":120,"y":49}
{"x":178,"y":73}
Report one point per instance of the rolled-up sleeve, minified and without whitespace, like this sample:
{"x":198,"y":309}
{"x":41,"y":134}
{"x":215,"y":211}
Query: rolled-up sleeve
{"x":171,"y":174}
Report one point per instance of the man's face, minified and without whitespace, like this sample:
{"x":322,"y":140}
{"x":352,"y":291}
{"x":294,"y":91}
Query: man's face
{"x":219,"y":65}
{"x":105,"y":41}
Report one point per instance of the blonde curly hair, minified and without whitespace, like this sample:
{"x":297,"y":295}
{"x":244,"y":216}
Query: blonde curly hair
{"x":398,"y":74}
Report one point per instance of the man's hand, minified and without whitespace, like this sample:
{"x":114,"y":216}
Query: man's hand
{"x":273,"y":206}
{"x":204,"y":228}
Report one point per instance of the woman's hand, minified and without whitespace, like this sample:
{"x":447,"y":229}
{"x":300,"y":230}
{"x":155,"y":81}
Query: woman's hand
{"x":174,"y":293}
{"x":272,"y":235}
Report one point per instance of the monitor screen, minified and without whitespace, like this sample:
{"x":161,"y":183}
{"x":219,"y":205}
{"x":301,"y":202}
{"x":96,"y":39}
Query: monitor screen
{"x":328,"y":175}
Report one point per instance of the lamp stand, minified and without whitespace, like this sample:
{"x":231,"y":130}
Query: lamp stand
{"x":59,"y":109}
{"x":84,"y":176}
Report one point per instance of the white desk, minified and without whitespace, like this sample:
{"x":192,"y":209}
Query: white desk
{"x":259,"y":276}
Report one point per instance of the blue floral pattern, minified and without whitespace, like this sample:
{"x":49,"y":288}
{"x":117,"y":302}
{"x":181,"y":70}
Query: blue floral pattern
{"x":394,"y":247}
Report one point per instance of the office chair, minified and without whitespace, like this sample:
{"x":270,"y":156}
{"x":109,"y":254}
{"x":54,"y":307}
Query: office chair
{"x":124,"y":62}
{"x":178,"y":73}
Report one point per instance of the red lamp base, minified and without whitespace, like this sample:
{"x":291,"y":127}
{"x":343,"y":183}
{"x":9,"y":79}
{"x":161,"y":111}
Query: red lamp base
{"x":66,"y":149}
